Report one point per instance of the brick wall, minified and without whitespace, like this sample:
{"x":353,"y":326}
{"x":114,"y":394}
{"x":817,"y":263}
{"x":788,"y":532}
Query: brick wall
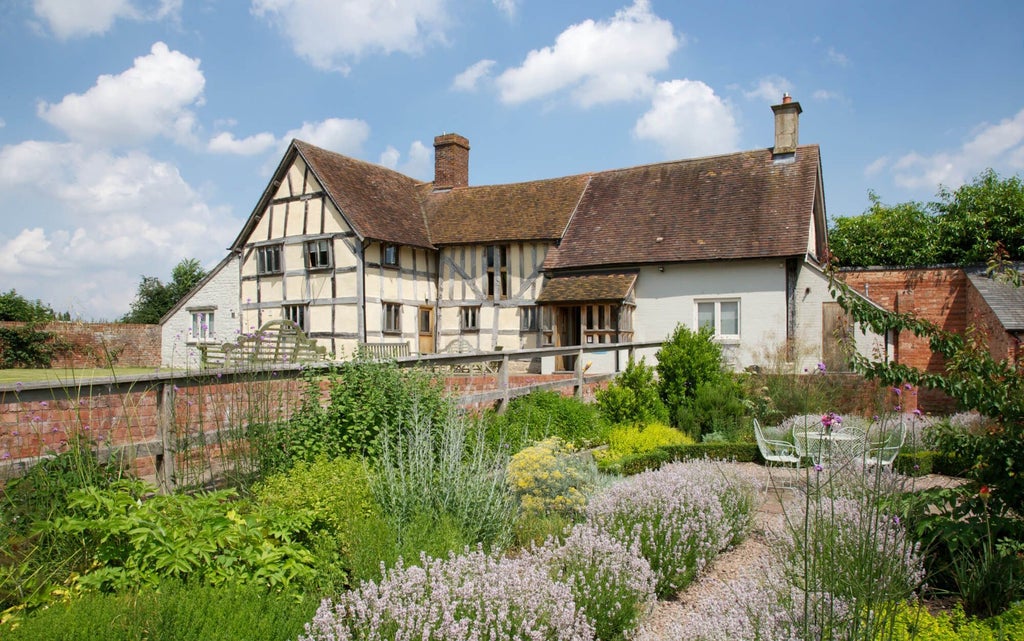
{"x":939,"y":295}
{"x":203,"y":417}
{"x":1002,"y":344}
{"x":91,"y":344}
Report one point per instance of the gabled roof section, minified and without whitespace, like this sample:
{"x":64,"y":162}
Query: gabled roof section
{"x":377,"y":202}
{"x":728,"y":207}
{"x":1006,"y":300}
{"x":588,"y":288}
{"x":538,"y":210}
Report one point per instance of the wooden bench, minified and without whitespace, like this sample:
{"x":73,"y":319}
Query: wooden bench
{"x":384,"y":351}
{"x":277,"y":341}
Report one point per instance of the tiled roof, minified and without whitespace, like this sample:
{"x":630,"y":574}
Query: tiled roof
{"x":1006,"y":301}
{"x":733,"y":206}
{"x":590,"y":288}
{"x":537,"y":210}
{"x":380,"y":203}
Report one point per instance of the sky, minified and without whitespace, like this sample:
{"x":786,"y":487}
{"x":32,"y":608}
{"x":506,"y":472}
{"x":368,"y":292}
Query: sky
{"x":137,"y":133}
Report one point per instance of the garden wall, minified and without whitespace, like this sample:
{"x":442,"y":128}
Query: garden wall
{"x":176,"y":429}
{"x":937,"y":294}
{"x":104,"y":344}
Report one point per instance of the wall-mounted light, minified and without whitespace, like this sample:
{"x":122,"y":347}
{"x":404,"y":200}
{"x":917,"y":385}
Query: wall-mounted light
{"x":661,"y":268}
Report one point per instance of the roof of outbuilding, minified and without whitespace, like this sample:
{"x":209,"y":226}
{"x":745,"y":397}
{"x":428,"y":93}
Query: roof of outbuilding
{"x":740,"y":205}
{"x":1006,"y":300}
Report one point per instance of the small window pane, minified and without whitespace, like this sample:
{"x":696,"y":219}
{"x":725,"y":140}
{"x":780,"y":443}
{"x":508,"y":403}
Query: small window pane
{"x":730,"y":318}
{"x":706,"y":315}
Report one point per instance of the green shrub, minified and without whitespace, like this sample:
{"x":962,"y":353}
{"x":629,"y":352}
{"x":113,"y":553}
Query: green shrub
{"x":913,"y":622}
{"x":29,"y":346}
{"x":540,"y":414}
{"x":173,"y":612}
{"x":440,"y":473}
{"x":550,"y":478}
{"x":686,"y":360}
{"x":630,"y":440}
{"x":632,"y":397}
{"x":365,"y":398}
{"x":132,"y":536}
{"x":716,"y":407}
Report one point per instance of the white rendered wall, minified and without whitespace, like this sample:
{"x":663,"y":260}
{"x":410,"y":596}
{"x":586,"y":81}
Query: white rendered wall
{"x":667,"y":298}
{"x":221,"y":293}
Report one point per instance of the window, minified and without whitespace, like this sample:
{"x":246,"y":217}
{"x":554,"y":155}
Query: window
{"x":318,"y":254}
{"x":529,"y":318}
{"x":426,"y":320}
{"x":722,"y":316}
{"x":470,"y":319}
{"x":389,"y":255}
{"x":496,"y":257}
{"x":202,"y":325}
{"x":297,"y":314}
{"x":268,"y":259}
{"x":392,"y":318}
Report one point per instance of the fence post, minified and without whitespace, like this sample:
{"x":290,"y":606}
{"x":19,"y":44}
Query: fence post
{"x":503,"y":384}
{"x":165,"y":472}
{"x":580,"y":369}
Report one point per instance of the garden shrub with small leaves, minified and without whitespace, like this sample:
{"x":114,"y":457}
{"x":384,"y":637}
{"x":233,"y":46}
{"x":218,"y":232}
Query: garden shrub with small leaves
{"x":630,"y":440}
{"x":550,"y":478}
{"x":632,"y":397}
{"x":540,"y":414}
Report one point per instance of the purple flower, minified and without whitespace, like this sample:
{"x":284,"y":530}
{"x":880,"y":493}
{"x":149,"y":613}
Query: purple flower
{"x":818,"y":467}
{"x":897,"y":391}
{"x":897,"y":408}
{"x":6,"y":456}
{"x":44,"y":404}
{"x":917,"y":412}
{"x":821,"y":367}
{"x":19,"y":386}
{"x":908,"y":386}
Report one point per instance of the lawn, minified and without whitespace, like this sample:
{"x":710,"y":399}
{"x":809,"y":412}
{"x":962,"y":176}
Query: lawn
{"x":68,"y":375}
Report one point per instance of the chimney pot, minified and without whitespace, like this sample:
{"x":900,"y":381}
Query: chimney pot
{"x":451,"y":161}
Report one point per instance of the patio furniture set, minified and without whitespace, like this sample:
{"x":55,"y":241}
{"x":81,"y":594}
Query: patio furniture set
{"x":830,"y":448}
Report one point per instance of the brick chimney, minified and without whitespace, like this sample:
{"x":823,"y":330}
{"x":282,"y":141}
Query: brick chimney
{"x":451,"y":161}
{"x":787,"y":126}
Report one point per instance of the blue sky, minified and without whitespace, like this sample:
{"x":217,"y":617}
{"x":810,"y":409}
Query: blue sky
{"x":135,"y":133}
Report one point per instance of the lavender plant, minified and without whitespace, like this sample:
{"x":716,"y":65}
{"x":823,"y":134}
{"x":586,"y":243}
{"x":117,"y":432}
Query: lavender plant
{"x":680,"y":517}
{"x":611,"y":582}
{"x":475,"y":595}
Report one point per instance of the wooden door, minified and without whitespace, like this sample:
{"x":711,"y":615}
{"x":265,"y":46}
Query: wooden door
{"x":426,"y":330}
{"x":567,"y":334}
{"x":836,"y":334}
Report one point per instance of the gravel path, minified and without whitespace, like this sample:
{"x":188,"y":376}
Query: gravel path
{"x":669,"y":619}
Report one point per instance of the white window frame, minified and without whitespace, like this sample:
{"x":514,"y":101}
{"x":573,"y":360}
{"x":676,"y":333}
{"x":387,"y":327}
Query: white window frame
{"x":319,"y":254}
{"x":391,"y":318}
{"x":269,"y":259}
{"x":202,"y":330}
{"x":469,"y":318}
{"x":529,"y":318}
{"x":716,"y":322}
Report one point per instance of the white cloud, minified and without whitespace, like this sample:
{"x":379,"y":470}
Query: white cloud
{"x":99,"y":221}
{"x":150,"y":99}
{"x":687,"y":119}
{"x":331,"y":33}
{"x":226,"y":143}
{"x":770,"y":89}
{"x":74,"y":18}
{"x":876,"y":166}
{"x":837,"y":57}
{"x":418,"y":164}
{"x":508,"y":7}
{"x":824,"y":94}
{"x":601,"y":61}
{"x":999,"y":146}
{"x":341,"y":135}
{"x":468,"y":79}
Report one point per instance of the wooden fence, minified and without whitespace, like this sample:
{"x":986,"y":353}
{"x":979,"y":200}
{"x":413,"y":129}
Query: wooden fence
{"x":157,"y":421}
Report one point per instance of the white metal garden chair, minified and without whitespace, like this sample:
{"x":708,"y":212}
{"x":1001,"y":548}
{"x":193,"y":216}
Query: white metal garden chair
{"x":776,"y":453}
{"x":884,"y":453}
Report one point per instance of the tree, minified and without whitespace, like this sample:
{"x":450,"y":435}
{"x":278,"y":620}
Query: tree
{"x":154,"y":298}
{"x":963,"y":227}
{"x":885,"y":235}
{"x":978,"y":216}
{"x":685,"y":361}
{"x":15,"y":307}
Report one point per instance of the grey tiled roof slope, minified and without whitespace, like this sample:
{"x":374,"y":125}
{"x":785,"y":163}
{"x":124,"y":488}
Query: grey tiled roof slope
{"x":1006,"y":301}
{"x":733,"y":206}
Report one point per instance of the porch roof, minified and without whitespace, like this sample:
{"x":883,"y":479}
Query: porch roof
{"x":588,"y":288}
